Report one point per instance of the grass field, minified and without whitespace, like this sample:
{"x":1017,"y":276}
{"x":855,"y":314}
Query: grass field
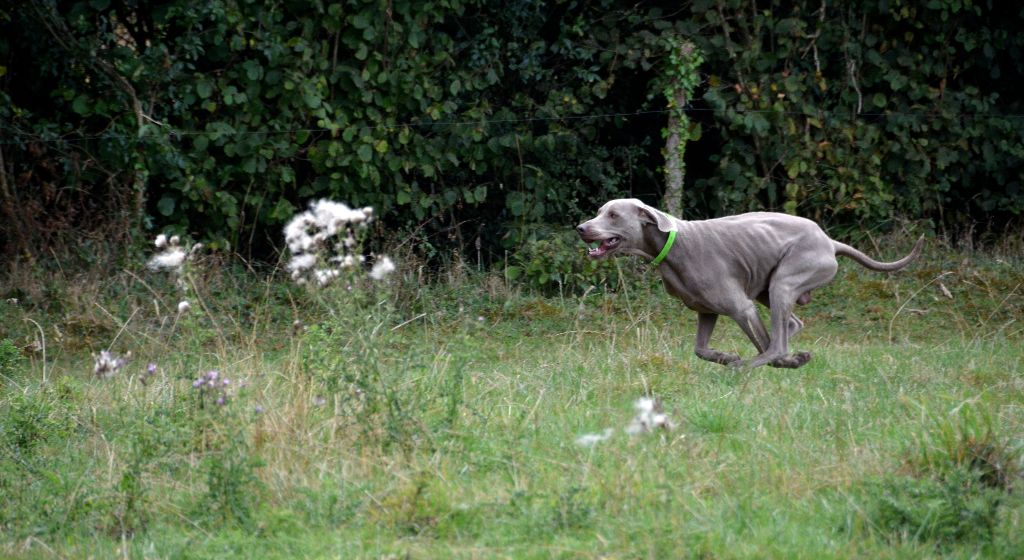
{"x":440,"y":419}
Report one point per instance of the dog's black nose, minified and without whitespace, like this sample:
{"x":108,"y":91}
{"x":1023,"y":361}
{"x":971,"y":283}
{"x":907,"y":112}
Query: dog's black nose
{"x":581,"y":229}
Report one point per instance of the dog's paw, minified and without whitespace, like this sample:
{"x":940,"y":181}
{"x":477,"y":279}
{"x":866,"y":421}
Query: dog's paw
{"x":791,"y":361}
{"x":723,"y":358}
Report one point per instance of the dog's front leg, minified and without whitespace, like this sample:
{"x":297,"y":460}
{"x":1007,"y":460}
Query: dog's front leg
{"x":705,"y":326}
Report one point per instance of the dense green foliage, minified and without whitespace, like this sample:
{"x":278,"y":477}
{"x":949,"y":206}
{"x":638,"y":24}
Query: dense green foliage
{"x":867,"y":109}
{"x":222,"y":118}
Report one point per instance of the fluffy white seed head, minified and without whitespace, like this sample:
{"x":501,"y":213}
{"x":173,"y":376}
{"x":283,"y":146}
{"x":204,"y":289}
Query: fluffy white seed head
{"x":326,"y":233}
{"x":382,"y":268}
{"x":106,"y":364}
{"x":297,"y":233}
{"x":324,"y":276}
{"x":171,"y":259}
{"x":301,"y":263}
{"x":161,"y":241}
{"x":644,"y":405}
{"x":587,"y":440}
{"x":649,"y":417}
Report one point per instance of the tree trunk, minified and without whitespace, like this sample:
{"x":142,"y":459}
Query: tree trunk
{"x":675,"y":168}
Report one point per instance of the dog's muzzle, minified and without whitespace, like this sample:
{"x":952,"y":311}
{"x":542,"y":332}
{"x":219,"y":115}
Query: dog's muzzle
{"x":605,"y":245}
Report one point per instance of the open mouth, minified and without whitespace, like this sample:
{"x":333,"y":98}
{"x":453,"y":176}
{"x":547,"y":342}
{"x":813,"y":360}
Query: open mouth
{"x":604,"y":247}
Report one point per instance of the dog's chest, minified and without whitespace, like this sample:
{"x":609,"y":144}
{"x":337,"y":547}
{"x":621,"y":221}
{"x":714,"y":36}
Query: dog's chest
{"x":713,"y":289}
{"x":691,"y":291}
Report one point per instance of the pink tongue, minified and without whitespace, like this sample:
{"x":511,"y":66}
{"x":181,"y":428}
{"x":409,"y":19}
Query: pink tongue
{"x":600,"y":250}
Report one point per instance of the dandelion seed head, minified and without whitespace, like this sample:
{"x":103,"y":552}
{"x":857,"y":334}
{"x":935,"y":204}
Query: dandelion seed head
{"x":184,"y":306}
{"x":160,"y":241}
{"x":174,"y":241}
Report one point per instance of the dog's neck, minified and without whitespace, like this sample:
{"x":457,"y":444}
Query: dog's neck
{"x":653,"y":241}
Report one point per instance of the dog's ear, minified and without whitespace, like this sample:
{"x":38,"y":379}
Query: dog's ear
{"x":651,"y":215}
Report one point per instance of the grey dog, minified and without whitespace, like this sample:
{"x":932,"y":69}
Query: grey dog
{"x":722,"y":266}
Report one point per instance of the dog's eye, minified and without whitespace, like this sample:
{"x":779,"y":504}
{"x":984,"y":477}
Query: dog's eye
{"x":612,"y":215}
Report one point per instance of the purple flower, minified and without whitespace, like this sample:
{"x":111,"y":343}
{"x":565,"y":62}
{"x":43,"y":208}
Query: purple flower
{"x":258,"y":409}
{"x":210,"y":383}
{"x":151,"y":368}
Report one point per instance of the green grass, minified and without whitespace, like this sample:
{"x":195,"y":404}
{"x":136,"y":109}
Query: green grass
{"x":453,"y":434}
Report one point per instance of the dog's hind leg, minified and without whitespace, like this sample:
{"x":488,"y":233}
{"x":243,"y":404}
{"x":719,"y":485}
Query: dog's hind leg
{"x":795,"y":324}
{"x":750,"y":322}
{"x":791,"y":284}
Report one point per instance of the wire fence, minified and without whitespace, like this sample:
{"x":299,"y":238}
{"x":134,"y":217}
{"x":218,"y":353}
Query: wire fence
{"x":12,"y":136}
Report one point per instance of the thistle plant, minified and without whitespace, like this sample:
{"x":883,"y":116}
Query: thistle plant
{"x":650,"y":416}
{"x":149,"y":374}
{"x":326,"y":241}
{"x":107,"y":365}
{"x":210,"y":386}
{"x":173,"y":257}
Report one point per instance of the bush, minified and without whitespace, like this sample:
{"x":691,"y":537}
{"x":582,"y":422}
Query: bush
{"x":960,"y":474}
{"x":966,"y":441}
{"x":958,"y":507}
{"x":33,"y":419}
{"x":224,"y":117}
{"x":557,"y":262}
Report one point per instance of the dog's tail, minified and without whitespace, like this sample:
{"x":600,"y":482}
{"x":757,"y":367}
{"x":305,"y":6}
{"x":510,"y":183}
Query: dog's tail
{"x":867,"y":262}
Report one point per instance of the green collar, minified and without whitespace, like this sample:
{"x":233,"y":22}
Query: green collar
{"x":664,"y":250}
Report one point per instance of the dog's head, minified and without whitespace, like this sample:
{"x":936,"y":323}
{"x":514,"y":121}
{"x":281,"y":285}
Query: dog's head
{"x":619,"y":226}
